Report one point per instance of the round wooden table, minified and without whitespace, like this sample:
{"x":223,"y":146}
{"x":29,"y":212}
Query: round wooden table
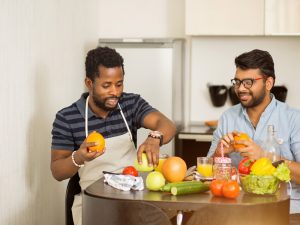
{"x":103,"y":204}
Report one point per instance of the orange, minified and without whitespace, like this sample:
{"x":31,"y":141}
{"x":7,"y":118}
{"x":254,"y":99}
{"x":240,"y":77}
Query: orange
{"x":174,"y":169}
{"x":241,"y":137}
{"x":99,"y":139}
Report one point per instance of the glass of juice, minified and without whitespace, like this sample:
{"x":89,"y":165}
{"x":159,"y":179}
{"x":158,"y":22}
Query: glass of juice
{"x":205,"y":167}
{"x":162,"y":159}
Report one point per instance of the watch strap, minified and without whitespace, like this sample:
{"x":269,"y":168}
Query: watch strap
{"x":158,"y":135}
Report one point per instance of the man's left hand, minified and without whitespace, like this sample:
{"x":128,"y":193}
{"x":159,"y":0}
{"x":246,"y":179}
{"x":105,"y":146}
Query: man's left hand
{"x":251,"y":149}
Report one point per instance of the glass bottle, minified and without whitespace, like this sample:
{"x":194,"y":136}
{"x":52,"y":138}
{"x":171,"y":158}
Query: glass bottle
{"x":271,"y":147}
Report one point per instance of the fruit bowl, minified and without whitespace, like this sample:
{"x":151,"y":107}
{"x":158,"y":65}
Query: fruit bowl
{"x":260,"y":185}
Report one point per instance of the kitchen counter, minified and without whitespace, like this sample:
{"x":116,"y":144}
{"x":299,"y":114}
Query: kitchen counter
{"x":197,"y":132}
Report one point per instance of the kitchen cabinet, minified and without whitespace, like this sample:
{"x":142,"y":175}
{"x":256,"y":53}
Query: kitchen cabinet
{"x":230,"y":17}
{"x":247,"y":17}
{"x":192,"y":142}
{"x":282,"y":17}
{"x":140,"y":18}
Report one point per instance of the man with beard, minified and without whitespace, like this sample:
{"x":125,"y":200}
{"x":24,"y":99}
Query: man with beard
{"x":117,"y":115}
{"x":258,"y":108}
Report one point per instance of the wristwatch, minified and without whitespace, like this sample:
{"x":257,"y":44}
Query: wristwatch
{"x":158,"y":135}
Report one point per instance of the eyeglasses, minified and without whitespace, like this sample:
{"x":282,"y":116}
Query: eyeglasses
{"x":247,"y":83}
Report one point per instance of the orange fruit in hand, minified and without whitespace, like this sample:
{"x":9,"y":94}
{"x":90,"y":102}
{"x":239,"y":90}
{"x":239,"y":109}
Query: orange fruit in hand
{"x":241,"y":137}
{"x":98,"y":139}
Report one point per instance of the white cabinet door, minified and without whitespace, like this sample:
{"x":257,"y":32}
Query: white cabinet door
{"x":219,"y":17}
{"x":282,"y":17}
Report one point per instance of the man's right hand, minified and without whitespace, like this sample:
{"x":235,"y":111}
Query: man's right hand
{"x":227,"y":140}
{"x":84,"y":155}
{"x":62,"y":166}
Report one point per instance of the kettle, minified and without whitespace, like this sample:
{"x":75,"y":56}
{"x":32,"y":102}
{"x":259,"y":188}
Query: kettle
{"x":218,"y":94}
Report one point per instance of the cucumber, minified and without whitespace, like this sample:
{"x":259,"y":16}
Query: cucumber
{"x":168,"y":186}
{"x":190,"y":189}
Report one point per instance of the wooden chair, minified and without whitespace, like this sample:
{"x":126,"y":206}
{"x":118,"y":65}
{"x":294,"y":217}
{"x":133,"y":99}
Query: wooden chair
{"x":121,"y":212}
{"x":73,"y":189}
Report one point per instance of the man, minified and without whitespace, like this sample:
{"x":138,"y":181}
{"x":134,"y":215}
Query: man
{"x":258,"y":108}
{"x":114,"y":114}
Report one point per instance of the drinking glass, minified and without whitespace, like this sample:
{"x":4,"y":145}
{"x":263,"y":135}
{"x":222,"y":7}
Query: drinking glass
{"x":205,"y":167}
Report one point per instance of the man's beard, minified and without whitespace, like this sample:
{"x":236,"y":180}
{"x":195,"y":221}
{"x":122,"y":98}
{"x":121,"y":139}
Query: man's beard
{"x":255,"y":101}
{"x":101,"y":104}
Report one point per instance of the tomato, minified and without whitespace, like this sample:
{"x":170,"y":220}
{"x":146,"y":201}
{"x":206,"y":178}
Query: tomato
{"x":231,"y":189}
{"x":130,"y":170}
{"x":216,"y":187}
{"x":245,"y":165}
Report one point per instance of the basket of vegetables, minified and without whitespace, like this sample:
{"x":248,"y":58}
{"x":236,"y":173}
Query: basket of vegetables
{"x":263,"y":177}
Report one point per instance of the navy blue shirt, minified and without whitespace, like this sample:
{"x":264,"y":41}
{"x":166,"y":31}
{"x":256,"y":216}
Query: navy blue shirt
{"x":69,"y":125}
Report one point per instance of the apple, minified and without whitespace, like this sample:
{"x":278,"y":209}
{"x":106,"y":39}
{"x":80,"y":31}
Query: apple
{"x":144,"y":166}
{"x":155,"y":180}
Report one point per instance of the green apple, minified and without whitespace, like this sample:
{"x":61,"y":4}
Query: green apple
{"x":155,"y":180}
{"x":144,"y":166}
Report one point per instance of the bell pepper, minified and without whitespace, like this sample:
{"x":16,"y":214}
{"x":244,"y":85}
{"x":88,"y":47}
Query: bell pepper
{"x":263,"y":167}
{"x":245,"y":165}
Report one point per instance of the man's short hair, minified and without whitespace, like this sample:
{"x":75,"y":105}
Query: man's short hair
{"x":102,"y":56}
{"x":256,"y":59}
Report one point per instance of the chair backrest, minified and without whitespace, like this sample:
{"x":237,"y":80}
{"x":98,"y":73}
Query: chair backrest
{"x":73,"y":189}
{"x":121,"y":212}
{"x":143,"y":213}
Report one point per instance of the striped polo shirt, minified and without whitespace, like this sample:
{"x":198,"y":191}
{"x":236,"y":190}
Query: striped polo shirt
{"x":69,"y":125}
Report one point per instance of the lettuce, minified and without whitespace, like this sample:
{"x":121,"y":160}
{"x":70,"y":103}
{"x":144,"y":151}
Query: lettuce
{"x":260,"y":184}
{"x":282,"y":172}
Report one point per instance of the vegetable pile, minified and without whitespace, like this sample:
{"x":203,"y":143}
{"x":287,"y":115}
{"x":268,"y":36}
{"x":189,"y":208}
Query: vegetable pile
{"x":264,"y":178}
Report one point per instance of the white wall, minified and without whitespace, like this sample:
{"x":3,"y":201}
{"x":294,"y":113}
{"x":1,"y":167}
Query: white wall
{"x":42,"y":50}
{"x":212,"y":60}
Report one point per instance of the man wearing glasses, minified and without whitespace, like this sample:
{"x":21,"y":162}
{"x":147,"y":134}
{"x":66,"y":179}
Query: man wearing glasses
{"x":258,"y":108}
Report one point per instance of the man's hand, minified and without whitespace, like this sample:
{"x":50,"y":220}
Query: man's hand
{"x":151,"y":148}
{"x":83,"y":154}
{"x":62,"y":166}
{"x":251,"y":149}
{"x":227,"y":140}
